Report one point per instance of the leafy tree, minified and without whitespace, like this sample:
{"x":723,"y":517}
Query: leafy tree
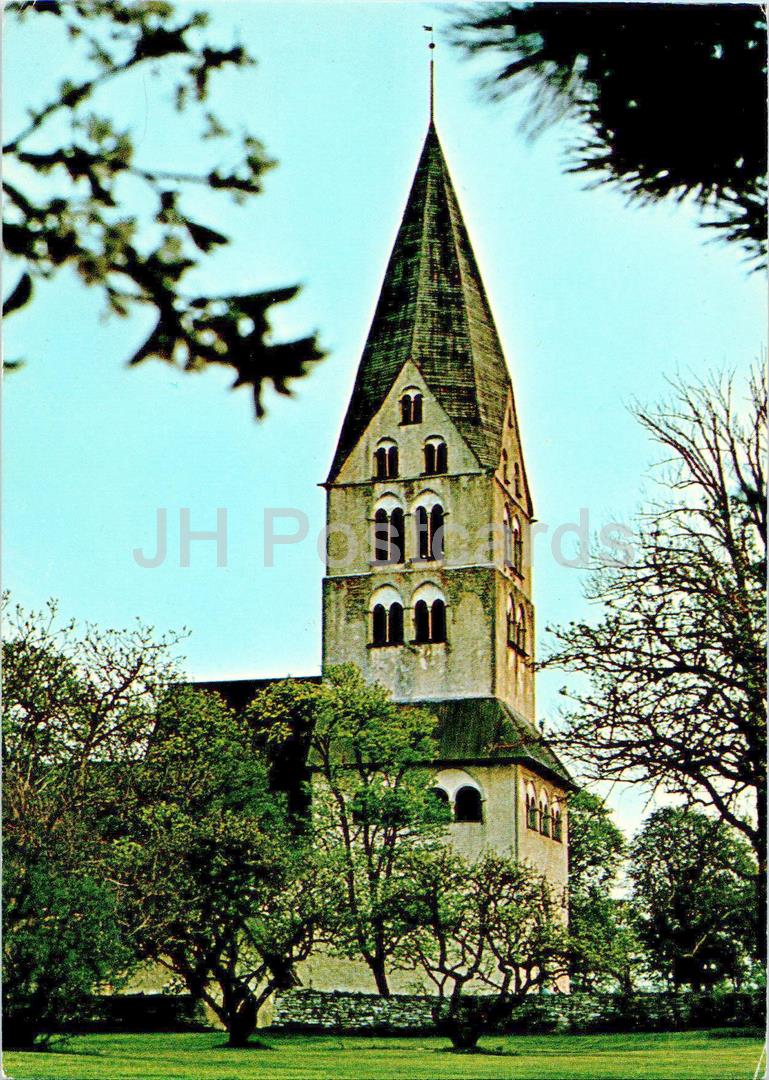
{"x":484,"y":933}
{"x":603,"y":943}
{"x":668,"y":100}
{"x":76,"y":705}
{"x":61,"y":940}
{"x":80,"y":193}
{"x":372,"y":803}
{"x":676,"y":664}
{"x":218,"y":890}
{"x":695,"y":889}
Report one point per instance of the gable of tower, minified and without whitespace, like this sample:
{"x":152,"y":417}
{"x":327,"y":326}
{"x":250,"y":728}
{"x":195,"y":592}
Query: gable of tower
{"x":410,"y":438}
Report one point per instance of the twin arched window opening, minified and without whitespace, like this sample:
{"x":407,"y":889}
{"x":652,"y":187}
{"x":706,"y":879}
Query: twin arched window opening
{"x":389,"y":536}
{"x":517,"y":486}
{"x":513,"y":544}
{"x":386,"y":462}
{"x":429,"y":622}
{"x":436,"y":457}
{"x":557,"y":823}
{"x":411,"y":408}
{"x":387,"y":624}
{"x":468,"y":803}
{"x":516,"y":626}
{"x":430,"y":530}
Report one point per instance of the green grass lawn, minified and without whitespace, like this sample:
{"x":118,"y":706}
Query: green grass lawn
{"x":676,"y":1056}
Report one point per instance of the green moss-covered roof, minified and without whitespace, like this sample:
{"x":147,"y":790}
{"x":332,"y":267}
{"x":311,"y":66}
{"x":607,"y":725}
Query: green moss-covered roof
{"x":486,"y":729}
{"x":433,"y":310}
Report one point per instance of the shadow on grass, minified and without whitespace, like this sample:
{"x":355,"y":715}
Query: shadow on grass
{"x":483,"y":1051}
{"x":252,"y":1044}
{"x":58,"y":1045}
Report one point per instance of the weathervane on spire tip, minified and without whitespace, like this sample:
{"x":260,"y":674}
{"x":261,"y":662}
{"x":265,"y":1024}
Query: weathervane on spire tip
{"x":431,"y":46}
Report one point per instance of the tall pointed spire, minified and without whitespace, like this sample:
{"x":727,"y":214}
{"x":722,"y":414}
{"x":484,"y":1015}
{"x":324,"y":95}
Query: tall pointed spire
{"x":433,"y":310}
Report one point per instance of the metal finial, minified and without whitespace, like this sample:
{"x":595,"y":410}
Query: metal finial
{"x":431,"y":46}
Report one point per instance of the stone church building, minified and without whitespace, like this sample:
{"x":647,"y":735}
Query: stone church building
{"x":428,"y":584}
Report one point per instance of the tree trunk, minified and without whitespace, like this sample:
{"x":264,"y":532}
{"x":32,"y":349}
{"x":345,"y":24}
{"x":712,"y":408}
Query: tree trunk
{"x":464,"y":1032}
{"x":380,"y":978}
{"x":463,"y":1021}
{"x":760,"y":848}
{"x":242,"y":1022}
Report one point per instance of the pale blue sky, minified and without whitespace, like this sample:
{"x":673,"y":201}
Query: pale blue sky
{"x":595,"y":302}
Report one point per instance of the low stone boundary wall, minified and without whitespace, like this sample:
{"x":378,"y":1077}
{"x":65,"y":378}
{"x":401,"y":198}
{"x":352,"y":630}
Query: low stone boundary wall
{"x":348,"y":1013}
{"x":353,"y":1014}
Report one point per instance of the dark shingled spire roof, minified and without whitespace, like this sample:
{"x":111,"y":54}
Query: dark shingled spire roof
{"x":433,"y":310}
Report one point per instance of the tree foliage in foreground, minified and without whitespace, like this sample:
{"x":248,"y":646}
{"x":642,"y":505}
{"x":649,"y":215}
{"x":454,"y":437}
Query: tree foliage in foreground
{"x":76,"y":706}
{"x":694,"y":888}
{"x":79,"y":191}
{"x":372,"y":804}
{"x":484,"y":933}
{"x":603,"y":944}
{"x":669,"y":99}
{"x":676,"y":664}
{"x":216,"y":888}
{"x":138,"y":826}
{"x":61,"y":939}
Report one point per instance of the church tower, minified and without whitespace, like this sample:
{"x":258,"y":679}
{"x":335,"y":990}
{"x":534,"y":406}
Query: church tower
{"x":428,"y":584}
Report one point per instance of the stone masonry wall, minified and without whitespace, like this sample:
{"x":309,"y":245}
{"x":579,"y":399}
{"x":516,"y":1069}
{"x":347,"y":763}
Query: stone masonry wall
{"x":348,"y":1013}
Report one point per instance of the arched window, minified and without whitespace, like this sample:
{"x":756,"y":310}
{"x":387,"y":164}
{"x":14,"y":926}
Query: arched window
{"x":531,"y":808}
{"x":386,"y":461}
{"x":395,"y":624}
{"x":411,"y":407}
{"x":421,"y":622}
{"x":468,"y":805}
{"x":517,"y":479}
{"x":379,"y":625}
{"x":557,"y":822}
{"x":517,"y":547}
{"x":440,"y":795}
{"x":505,"y":477}
{"x":436,"y":456}
{"x":392,"y":462}
{"x":544,"y":815}
{"x":430,"y":458}
{"x":389,"y":535}
{"x":397,"y":536}
{"x":380,"y":463}
{"x":438,"y":621}
{"x":508,"y":535}
{"x":520,"y":630}
{"x":510,"y":621}
{"x":387,"y":624}
{"x":381,"y":536}
{"x":436,"y":532}
{"x":423,"y":533}
{"x":429,"y":621}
